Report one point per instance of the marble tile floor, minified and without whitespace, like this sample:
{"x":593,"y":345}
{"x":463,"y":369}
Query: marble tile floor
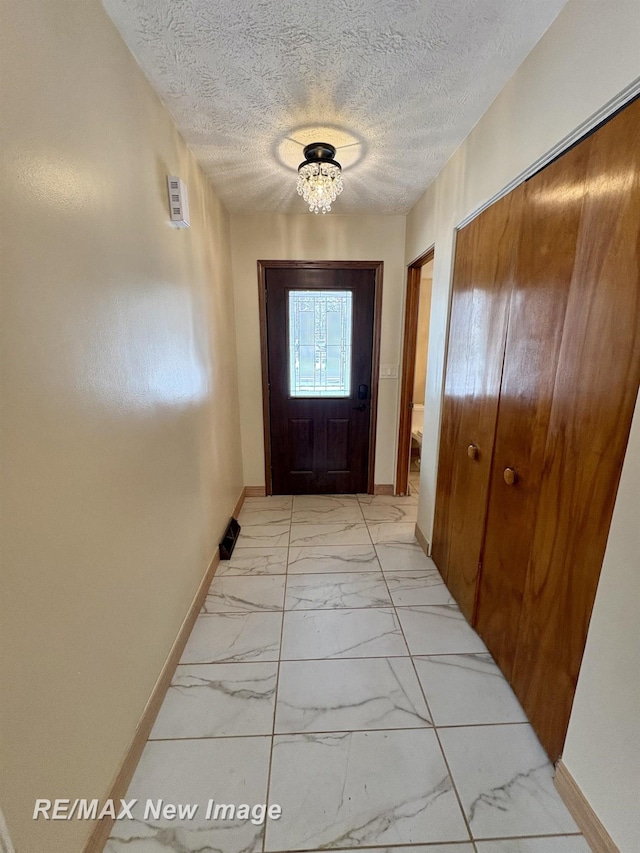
{"x":331,"y":673}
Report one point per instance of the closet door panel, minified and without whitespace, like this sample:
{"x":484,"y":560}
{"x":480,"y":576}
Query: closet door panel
{"x":593,"y":401}
{"x":551,"y":217}
{"x":484,"y":267}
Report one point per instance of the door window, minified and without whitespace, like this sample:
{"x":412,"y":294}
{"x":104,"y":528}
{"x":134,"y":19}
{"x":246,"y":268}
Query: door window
{"x":320,"y":338}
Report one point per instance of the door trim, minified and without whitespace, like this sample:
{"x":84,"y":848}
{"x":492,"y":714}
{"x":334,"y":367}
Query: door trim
{"x":377,"y":268}
{"x":410,"y":337}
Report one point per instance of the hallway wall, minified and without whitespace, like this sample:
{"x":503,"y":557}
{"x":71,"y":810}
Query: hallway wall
{"x":120,"y":428}
{"x":309,"y":237}
{"x":585,"y":59}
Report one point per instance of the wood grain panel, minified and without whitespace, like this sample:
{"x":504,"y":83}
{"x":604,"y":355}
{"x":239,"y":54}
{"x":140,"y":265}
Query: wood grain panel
{"x":484,"y":267}
{"x":594,"y":397}
{"x":551,"y":217}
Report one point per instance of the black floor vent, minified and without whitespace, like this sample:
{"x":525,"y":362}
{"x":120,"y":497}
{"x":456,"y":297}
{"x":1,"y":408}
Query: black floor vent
{"x":229,"y":540}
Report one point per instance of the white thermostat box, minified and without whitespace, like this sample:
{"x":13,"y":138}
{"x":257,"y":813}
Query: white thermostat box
{"x":178,"y":202}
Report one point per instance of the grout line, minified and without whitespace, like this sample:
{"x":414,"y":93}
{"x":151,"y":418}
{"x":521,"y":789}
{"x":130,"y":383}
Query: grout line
{"x":321,"y":732}
{"x":275,"y":700}
{"x":382,"y":847}
{"x":431,"y":717}
{"x":428,"y":844}
{"x":378,"y":606}
{"x":352,"y":657}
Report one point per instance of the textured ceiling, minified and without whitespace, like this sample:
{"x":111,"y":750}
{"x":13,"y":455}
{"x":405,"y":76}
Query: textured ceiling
{"x":395,"y":85}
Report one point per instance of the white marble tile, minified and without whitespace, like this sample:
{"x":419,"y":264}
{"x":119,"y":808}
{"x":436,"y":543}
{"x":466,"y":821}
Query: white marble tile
{"x":401,"y":509}
{"x":438,"y":630}
{"x":328,"y":591}
{"x":333,"y":558}
{"x":271,"y":502}
{"x":418,"y":586}
{"x":550,"y":844}
{"x":342,"y":695}
{"x":392,"y":533}
{"x":408,"y":555}
{"x":465,"y":690}
{"x":253,"y":561}
{"x":323,"y":501}
{"x":218,"y":700}
{"x":264,"y":536}
{"x":358,"y":788}
{"x":233,"y":638}
{"x":330,"y":534}
{"x":341,"y":634}
{"x":238,"y":594}
{"x":229,"y":770}
{"x":505,"y":782}
{"x":321,"y":515}
{"x":250,"y":516}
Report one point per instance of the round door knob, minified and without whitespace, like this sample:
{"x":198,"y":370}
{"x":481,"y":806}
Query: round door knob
{"x":510,"y":476}
{"x":472,"y":451}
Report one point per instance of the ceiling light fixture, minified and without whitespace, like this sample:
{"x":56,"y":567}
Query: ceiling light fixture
{"x":319,"y":177}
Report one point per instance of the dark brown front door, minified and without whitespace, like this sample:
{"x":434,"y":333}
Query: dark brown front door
{"x":320,"y":346}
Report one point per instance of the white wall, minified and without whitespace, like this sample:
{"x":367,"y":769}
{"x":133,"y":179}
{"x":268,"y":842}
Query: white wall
{"x":588,"y":56}
{"x":309,"y":237}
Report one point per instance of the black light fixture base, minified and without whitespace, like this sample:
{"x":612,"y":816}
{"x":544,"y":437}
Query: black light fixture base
{"x":319,"y":152}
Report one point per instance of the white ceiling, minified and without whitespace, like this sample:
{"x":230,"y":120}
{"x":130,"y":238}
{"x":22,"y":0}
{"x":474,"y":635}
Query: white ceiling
{"x":395,"y":85}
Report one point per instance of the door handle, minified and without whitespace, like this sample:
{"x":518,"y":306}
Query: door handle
{"x":360,"y":408}
{"x":472,"y":451}
{"x":510,"y":476}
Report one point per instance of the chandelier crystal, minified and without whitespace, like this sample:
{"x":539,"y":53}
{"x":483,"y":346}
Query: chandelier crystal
{"x":319,"y":177}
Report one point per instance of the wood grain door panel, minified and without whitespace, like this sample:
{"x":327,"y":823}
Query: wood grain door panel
{"x":485,"y":263}
{"x":594,"y":396}
{"x":551,"y":214}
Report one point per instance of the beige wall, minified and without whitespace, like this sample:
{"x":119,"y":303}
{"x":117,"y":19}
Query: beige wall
{"x":587,"y":57}
{"x":120,"y":451}
{"x":310,"y":237}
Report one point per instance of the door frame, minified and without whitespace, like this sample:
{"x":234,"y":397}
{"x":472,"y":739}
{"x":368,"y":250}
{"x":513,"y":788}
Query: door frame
{"x":410,"y":338}
{"x":377,"y":268}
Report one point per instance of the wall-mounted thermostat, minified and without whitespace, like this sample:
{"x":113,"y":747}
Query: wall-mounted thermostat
{"x":178,"y":202}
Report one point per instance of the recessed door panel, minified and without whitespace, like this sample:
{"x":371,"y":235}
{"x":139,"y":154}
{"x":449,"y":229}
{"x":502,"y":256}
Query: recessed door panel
{"x":301,"y":445}
{"x":338,"y":450}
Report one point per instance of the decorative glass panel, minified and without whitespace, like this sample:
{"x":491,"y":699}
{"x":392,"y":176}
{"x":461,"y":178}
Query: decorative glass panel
{"x":320,"y":343}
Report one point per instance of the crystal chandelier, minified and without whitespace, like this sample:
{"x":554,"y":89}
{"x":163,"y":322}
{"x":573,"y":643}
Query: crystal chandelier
{"x":319,"y":177}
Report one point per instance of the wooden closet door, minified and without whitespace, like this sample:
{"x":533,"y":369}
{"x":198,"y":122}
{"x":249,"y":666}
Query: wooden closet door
{"x":593,"y":401}
{"x":483,"y":278}
{"x":551,"y":216}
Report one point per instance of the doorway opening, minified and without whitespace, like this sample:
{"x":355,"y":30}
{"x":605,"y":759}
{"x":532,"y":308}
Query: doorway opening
{"x":320,"y":337}
{"x":414,"y":373}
